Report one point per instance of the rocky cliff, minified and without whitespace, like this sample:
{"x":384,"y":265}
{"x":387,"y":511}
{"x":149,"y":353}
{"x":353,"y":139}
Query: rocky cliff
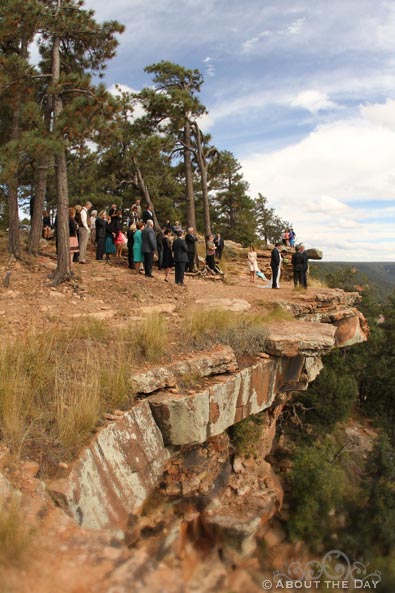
{"x":163,"y":476}
{"x":171,"y":452}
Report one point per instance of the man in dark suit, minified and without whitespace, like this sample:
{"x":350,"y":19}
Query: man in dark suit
{"x":148,"y":246}
{"x":148,"y":215}
{"x":190,"y":240}
{"x":220,"y":244}
{"x":305,"y":265}
{"x":275,"y":264}
{"x":180,"y":255}
{"x":298,"y":264}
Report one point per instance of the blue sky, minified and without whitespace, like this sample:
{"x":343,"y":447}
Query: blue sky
{"x":301,"y":91}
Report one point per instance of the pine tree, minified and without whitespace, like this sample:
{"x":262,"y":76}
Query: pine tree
{"x":19,"y":20}
{"x":173,"y":106}
{"x":74,"y":46}
{"x":269,"y":224}
{"x":233,"y":208}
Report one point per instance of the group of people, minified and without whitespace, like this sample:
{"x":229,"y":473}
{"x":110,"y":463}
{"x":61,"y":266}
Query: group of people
{"x":278,"y":256}
{"x":288,"y":237}
{"x":174,"y":249}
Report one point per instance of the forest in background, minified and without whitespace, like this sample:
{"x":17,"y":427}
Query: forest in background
{"x":65,"y":139}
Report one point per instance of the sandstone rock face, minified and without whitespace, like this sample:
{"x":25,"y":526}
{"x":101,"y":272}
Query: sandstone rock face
{"x":333,"y":307}
{"x":235,"y":305}
{"x":216,"y":361}
{"x":291,"y":339}
{"x":314,"y":253}
{"x":174,"y":442}
{"x":193,"y":418}
{"x":115,"y":474}
{"x":350,"y":330}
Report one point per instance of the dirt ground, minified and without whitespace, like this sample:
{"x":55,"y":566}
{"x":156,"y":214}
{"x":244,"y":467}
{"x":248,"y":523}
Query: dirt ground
{"x":110,"y":290}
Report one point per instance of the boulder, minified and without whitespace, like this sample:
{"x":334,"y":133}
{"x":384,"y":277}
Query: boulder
{"x":115,"y":473}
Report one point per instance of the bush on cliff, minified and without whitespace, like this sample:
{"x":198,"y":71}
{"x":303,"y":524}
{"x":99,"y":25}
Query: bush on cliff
{"x":317,"y":485}
{"x":330,"y":398}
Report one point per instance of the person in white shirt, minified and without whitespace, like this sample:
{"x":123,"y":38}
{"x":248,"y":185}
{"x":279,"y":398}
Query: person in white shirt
{"x":84,"y":231}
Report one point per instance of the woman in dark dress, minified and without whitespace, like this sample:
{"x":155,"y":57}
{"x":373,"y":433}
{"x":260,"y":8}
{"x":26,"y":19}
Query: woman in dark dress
{"x":167,"y":261}
{"x":73,"y":238}
{"x":101,"y":233}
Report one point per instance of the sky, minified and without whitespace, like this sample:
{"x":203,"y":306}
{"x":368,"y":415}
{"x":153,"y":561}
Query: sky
{"x":302,"y":92}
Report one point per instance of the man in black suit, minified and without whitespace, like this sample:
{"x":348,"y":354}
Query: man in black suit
{"x":148,"y":215}
{"x":298,"y":264}
{"x":220,"y":244}
{"x":148,"y":246}
{"x":180,"y":255}
{"x":275,"y":264}
{"x":305,"y":265}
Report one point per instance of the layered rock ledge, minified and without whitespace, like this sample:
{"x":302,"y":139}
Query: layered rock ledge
{"x":128,"y":458}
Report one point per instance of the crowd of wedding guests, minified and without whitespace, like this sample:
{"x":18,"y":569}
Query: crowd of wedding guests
{"x":104,"y":229}
{"x":173,"y":247}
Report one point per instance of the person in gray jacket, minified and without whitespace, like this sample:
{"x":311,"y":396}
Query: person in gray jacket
{"x":148,"y":246}
{"x":180,"y":255}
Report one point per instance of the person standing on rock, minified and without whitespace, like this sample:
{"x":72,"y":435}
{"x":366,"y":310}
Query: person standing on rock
{"x":297,"y":265}
{"x":275,"y":262}
{"x":180,"y":254}
{"x":305,"y":265}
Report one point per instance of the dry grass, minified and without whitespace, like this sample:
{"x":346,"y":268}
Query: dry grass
{"x":245,"y":332}
{"x":15,"y":537}
{"x":56,"y":384}
{"x":277,"y":313}
{"x":316,"y":282}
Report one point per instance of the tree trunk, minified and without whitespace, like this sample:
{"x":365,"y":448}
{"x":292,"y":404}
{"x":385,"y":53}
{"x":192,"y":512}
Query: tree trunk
{"x":13,"y":219}
{"x":145,"y":192}
{"x":202,"y":164}
{"x":62,"y":271}
{"x":40,"y":189}
{"x":190,"y":195}
{"x":37,"y":218}
{"x":13,"y":210}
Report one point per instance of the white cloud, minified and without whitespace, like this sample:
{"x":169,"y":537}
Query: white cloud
{"x":209,"y":67}
{"x":313,"y":100}
{"x":326,"y":204}
{"x":296,"y":27}
{"x":313,"y":185}
{"x":380,"y":114}
{"x":251,"y":43}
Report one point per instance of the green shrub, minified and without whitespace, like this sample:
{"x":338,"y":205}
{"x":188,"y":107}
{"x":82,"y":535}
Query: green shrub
{"x":317,"y":486}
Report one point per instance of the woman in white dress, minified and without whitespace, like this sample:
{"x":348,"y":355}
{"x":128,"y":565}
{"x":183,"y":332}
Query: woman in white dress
{"x":252,"y":262}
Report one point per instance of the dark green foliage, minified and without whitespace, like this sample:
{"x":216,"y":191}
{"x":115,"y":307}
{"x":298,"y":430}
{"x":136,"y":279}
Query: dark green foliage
{"x":379,"y":398}
{"x":317,"y":485}
{"x":232,"y":209}
{"x":245,"y":435}
{"x":331,"y":396}
{"x":269,"y":226}
{"x":372,"y":515}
